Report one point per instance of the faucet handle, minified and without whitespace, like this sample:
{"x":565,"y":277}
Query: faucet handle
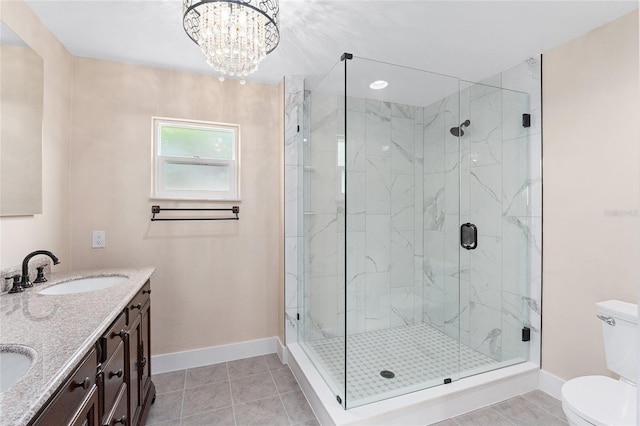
{"x":40,"y":278}
{"x":17,"y":287}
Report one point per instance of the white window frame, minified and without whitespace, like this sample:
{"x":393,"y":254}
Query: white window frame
{"x":158,"y":190}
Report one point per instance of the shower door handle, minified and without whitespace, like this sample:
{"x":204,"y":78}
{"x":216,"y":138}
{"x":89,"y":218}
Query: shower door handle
{"x":469,"y":236}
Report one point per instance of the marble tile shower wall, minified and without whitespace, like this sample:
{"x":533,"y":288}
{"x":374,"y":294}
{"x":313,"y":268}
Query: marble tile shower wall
{"x":383,"y":165}
{"x":382,"y":161}
{"x":324,"y":221}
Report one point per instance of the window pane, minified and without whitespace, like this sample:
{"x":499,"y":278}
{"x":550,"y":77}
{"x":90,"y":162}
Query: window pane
{"x":215,"y":143}
{"x":196,"y":177}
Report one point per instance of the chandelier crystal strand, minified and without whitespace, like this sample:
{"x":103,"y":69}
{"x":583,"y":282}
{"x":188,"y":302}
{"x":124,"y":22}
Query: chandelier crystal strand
{"x":235,"y":36}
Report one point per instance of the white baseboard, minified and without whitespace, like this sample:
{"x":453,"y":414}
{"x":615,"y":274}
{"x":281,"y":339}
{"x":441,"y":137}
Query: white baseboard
{"x":551,"y":384}
{"x":213,"y":355}
{"x":282,"y":352}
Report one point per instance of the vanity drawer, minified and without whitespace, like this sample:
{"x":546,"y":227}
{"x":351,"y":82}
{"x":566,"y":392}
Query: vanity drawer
{"x":118,"y":415}
{"x":139,"y":301}
{"x":114,"y":336}
{"x":72,"y":394}
{"x":113,"y":377}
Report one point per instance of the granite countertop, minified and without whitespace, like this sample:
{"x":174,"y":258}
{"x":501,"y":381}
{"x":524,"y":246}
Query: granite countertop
{"x":61,"y":329}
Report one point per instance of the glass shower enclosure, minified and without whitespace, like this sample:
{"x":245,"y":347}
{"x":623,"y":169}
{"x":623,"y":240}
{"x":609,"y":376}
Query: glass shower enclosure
{"x":415,"y":267}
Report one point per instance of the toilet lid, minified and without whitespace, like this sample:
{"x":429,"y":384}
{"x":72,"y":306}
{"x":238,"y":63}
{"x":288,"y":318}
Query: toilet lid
{"x":601,"y":400}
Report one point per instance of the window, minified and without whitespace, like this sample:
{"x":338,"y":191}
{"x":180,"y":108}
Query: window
{"x":195,"y":160}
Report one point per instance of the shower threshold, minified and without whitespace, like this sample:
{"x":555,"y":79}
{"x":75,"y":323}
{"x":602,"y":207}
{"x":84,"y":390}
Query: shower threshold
{"x":419,"y":407}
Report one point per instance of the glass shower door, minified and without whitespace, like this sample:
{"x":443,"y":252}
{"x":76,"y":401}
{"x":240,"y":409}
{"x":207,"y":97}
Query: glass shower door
{"x":494,"y":266}
{"x":400,"y":282}
{"x":322,"y":329}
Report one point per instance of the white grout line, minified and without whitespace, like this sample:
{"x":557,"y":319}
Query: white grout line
{"x":564,"y":418}
{"x":233,"y":406}
{"x":184,"y":385}
{"x":280,"y":397}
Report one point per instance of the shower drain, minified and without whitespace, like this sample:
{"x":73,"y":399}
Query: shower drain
{"x":387,"y":374}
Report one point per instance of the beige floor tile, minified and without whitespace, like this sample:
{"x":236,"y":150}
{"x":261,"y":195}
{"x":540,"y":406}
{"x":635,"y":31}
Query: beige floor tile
{"x":546,"y":401}
{"x":449,"y":422}
{"x":246,"y":367}
{"x":206,"y":398}
{"x":274,"y":362}
{"x":222,"y":417}
{"x":254,"y":387}
{"x":206,"y":375}
{"x":523,"y":413}
{"x":313,"y":422}
{"x":268,"y":411}
{"x":168,"y":406}
{"x":169,"y":382}
{"x":483,"y":416}
{"x":285,"y":382}
{"x":297,"y":407}
{"x":169,"y":423}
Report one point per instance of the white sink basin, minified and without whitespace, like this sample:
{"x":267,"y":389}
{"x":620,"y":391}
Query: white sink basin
{"x":83,"y":285}
{"x":15,"y":361}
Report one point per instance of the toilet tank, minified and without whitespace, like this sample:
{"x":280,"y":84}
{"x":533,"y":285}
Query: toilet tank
{"x":620,"y":337}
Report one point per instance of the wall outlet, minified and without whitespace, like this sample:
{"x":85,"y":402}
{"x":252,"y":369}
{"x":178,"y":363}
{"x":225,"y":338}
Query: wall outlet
{"x":98,"y":240}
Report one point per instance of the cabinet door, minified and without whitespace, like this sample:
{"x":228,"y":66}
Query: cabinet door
{"x":135,"y":397}
{"x":118,"y":414}
{"x":69,"y":403}
{"x":88,"y":414}
{"x":113,"y":378}
{"x":145,"y":351}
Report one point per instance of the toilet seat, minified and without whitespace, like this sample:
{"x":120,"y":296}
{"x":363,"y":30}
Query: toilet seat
{"x":601,"y":400}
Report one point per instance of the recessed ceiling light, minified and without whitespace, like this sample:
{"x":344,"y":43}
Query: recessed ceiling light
{"x":379,"y":84}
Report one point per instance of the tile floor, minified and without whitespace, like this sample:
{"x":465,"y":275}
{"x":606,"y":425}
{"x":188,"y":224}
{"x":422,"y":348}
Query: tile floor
{"x":252,"y":391}
{"x":262,"y":391}
{"x":535,"y":408}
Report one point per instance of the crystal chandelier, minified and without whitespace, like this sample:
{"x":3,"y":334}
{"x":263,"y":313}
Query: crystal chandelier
{"x":234,"y":35}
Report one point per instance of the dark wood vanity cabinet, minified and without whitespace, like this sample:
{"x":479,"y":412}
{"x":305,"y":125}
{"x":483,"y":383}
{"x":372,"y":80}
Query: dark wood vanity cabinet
{"x":76,"y":401}
{"x":112,"y":386}
{"x":142,"y":391}
{"x":112,"y":371}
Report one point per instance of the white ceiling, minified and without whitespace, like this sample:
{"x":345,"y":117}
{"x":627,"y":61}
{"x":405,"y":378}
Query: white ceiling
{"x":467,"y":39}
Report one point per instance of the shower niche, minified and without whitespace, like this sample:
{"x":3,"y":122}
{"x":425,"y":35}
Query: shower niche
{"x":393,"y":294}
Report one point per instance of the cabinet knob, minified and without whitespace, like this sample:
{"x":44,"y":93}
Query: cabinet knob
{"x":85,"y":384}
{"x":122,"y":334}
{"x":138,"y":306}
{"x":117,"y":373}
{"x":121,"y":420}
{"x":146,"y":291}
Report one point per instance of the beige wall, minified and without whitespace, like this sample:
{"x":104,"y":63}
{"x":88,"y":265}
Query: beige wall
{"x":49,"y":230}
{"x":591,"y":166}
{"x":215,"y":282}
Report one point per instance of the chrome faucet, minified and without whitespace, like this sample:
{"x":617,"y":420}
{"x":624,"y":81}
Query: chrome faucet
{"x":25,"y":265}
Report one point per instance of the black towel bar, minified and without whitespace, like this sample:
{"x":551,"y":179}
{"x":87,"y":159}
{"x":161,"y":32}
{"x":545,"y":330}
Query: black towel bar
{"x":157,"y":209}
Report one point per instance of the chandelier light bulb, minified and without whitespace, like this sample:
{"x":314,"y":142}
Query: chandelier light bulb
{"x":234,"y":36}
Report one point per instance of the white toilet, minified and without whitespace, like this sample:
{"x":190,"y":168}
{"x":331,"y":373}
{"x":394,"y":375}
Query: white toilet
{"x":600,"y":400}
